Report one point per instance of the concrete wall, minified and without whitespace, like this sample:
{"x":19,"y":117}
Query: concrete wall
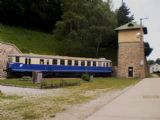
{"x":5,"y":50}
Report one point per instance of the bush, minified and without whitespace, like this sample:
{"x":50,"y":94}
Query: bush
{"x":86,"y":77}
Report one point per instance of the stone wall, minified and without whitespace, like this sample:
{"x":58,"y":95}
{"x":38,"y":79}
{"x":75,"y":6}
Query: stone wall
{"x":132,"y":55}
{"x":5,"y":50}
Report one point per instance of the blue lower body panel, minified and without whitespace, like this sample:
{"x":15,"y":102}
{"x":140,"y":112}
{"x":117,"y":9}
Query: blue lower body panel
{"x":19,"y":67}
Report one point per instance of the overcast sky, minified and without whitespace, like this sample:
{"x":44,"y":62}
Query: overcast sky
{"x":151,"y":9}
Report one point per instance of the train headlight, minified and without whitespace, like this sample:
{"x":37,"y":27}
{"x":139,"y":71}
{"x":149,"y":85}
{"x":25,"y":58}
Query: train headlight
{"x":21,"y":65}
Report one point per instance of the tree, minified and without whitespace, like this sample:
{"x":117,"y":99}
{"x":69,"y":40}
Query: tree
{"x":147,"y":49}
{"x":123,"y":15}
{"x":90,"y":27}
{"x":35,"y":14}
{"x":158,"y":60}
{"x":150,"y":62}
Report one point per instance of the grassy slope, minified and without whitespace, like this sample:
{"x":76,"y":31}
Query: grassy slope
{"x":28,"y":41}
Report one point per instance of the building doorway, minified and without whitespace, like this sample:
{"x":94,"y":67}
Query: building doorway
{"x":130,"y":71}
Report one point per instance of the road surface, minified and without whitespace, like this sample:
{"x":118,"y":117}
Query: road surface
{"x":141,"y":102}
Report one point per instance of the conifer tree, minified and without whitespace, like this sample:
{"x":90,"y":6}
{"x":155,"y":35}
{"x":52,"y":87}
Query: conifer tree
{"x":123,"y":15}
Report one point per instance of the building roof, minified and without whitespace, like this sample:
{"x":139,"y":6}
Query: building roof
{"x":131,"y":26}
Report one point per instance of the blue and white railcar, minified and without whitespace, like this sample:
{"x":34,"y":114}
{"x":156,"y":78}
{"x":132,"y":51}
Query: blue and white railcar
{"x":27,"y":63}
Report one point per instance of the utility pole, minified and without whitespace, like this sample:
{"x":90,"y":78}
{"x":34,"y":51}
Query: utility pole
{"x":141,"y":27}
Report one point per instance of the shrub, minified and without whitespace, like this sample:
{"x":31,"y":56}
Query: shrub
{"x":85,"y":77}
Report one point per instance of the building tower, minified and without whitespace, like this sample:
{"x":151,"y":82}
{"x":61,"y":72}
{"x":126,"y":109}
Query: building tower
{"x":131,"y":56}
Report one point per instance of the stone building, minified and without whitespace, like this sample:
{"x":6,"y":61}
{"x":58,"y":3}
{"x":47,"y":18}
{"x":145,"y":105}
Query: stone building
{"x":5,"y":50}
{"x":131,"y":56}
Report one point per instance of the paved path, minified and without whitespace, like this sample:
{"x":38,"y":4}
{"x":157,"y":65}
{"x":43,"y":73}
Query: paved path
{"x":141,"y":102}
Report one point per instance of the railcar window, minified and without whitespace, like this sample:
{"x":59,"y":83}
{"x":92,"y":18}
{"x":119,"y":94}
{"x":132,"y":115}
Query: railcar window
{"x":88,"y":63}
{"x":41,"y":61}
{"x":54,"y":62}
{"x":62,"y":62}
{"x":103,"y":65}
{"x":25,"y":60}
{"x":47,"y":62}
{"x":94,"y":63}
{"x":107,"y":64}
{"x":76,"y":63}
{"x":17,"y":59}
{"x":29,"y":60}
{"x":82,"y":63}
{"x":69,"y":62}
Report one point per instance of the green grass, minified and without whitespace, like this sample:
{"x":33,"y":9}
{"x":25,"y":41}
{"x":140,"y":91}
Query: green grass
{"x":28,"y":41}
{"x":19,"y":83}
{"x":96,"y":83}
{"x":103,"y":83}
{"x":46,"y":83}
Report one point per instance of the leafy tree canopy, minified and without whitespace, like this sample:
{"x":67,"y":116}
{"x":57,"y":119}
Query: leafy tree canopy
{"x":88,"y":25}
{"x":147,"y":48}
{"x":158,"y":60}
{"x":150,"y":62}
{"x":35,"y":14}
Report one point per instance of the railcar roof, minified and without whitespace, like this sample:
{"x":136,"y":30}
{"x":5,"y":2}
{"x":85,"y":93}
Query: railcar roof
{"x":56,"y":56}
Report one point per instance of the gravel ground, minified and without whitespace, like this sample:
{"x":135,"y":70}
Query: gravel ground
{"x":9,"y":90}
{"x":74,"y":112}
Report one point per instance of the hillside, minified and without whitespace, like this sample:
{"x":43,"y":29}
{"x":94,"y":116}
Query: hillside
{"x":28,"y":41}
